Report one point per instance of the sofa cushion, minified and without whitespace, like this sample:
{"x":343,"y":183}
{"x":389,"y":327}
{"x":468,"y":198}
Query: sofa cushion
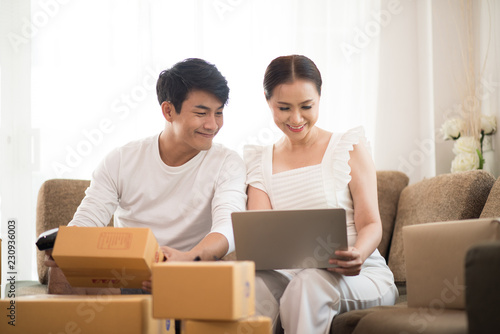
{"x":57,"y":202}
{"x":398,"y":320}
{"x":346,"y":323}
{"x":442,"y":198}
{"x":492,"y":207}
{"x":389,"y":187}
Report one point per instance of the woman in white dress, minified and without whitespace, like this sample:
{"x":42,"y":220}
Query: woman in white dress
{"x":313,"y":168}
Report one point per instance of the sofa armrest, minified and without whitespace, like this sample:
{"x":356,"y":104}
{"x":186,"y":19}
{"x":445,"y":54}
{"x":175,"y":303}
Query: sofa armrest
{"x":57,"y":202}
{"x":482,"y":272}
{"x":435,"y":256}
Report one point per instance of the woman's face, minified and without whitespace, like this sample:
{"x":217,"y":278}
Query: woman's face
{"x":295,"y":108}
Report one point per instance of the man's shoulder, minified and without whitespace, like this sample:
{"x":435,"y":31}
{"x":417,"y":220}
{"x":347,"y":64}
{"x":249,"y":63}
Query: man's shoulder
{"x":227,"y":162}
{"x":219,"y":151}
{"x":138,"y":144}
{"x":132,"y":150}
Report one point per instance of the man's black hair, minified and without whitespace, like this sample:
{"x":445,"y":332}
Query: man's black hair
{"x":188,"y":75}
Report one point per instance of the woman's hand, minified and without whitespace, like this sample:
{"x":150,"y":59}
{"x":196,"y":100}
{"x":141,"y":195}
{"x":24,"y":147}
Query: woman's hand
{"x":349,"y":262}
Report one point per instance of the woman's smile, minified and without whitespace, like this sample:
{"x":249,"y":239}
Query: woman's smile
{"x":296,"y":128}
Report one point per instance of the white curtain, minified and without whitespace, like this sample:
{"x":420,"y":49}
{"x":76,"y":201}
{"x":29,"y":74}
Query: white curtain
{"x":94,"y":69}
{"x":404,"y":119}
{"x":421,"y":81}
{"x":94,"y":66}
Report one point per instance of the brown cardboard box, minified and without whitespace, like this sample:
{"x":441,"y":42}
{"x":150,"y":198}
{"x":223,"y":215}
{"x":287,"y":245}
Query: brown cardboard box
{"x":221,"y":290}
{"x":55,"y":314}
{"x":435,"y":260}
{"x":167,"y":326}
{"x":106,"y":256}
{"x":251,"y":325}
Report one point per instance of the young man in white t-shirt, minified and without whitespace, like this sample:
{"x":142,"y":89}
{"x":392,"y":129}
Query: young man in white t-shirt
{"x":178,"y":183}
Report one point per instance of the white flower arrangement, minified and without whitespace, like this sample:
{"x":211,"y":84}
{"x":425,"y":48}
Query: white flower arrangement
{"x":488,"y":124}
{"x":471,"y":125}
{"x":468,"y":149}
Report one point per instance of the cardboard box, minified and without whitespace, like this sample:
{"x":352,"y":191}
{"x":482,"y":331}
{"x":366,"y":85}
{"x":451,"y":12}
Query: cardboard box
{"x":435,"y":260}
{"x":55,"y":314}
{"x":218,"y":290}
{"x":167,"y":326}
{"x":253,"y":325}
{"x":106,"y":256}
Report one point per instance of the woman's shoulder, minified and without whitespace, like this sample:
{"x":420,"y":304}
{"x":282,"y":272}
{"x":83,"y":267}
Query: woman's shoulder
{"x":353,"y":135}
{"x":252,"y":155}
{"x":343,"y":143}
{"x":349,"y":139}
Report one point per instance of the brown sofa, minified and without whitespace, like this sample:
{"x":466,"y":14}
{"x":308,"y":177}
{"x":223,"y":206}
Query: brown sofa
{"x":445,"y":197}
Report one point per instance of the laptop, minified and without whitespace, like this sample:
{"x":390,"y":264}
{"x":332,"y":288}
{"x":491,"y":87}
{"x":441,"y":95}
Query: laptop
{"x":289,"y":239}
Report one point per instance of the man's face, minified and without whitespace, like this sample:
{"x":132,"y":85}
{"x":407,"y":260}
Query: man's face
{"x":199,"y":121}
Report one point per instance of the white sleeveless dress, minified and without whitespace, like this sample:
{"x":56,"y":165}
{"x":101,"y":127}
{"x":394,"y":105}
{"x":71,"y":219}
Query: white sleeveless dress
{"x":307,"y":300}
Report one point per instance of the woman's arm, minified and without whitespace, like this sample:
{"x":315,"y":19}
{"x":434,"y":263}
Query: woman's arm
{"x":257,"y":199}
{"x":363,"y":187}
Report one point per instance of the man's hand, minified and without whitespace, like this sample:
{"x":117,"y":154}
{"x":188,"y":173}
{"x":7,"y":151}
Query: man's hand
{"x":171,"y":255}
{"x":146,"y":286}
{"x":49,"y":260}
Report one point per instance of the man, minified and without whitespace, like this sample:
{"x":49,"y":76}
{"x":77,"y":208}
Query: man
{"x":177,"y":183}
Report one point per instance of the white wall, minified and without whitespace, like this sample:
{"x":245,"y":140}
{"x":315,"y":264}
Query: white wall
{"x":15,"y":139}
{"x":404,"y":133}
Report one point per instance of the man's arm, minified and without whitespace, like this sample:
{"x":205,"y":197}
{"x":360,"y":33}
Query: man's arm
{"x":96,"y":209}
{"x":101,"y":198}
{"x":229,"y":196}
{"x":213,"y":247}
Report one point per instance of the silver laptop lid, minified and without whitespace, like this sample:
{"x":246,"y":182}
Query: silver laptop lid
{"x":289,"y":239}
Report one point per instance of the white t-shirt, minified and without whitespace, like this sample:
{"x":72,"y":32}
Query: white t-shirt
{"x":180,"y":204}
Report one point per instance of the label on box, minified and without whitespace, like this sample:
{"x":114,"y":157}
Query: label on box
{"x":114,"y":241}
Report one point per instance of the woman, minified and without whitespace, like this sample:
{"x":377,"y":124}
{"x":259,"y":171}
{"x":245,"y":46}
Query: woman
{"x":313,"y":168}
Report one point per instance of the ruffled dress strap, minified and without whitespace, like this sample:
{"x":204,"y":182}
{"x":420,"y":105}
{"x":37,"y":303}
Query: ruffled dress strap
{"x":336,"y":159}
{"x":258,"y":163}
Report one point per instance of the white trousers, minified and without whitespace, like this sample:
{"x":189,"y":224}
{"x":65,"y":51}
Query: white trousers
{"x":305,"y":301}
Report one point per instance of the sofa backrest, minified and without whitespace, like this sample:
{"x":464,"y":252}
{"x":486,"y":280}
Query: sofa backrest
{"x":57,"y":202}
{"x":492,"y":207}
{"x":389,"y":187}
{"x":441,"y":198}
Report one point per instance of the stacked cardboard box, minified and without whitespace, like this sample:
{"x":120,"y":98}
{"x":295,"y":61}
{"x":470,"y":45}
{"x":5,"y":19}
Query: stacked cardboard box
{"x":253,"y":325}
{"x":80,"y":314}
{"x":106,"y":257}
{"x":209,"y":297}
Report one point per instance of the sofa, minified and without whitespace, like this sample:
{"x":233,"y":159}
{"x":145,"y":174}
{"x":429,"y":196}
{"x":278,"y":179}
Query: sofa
{"x":447,"y":197}
{"x":471,"y":196}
